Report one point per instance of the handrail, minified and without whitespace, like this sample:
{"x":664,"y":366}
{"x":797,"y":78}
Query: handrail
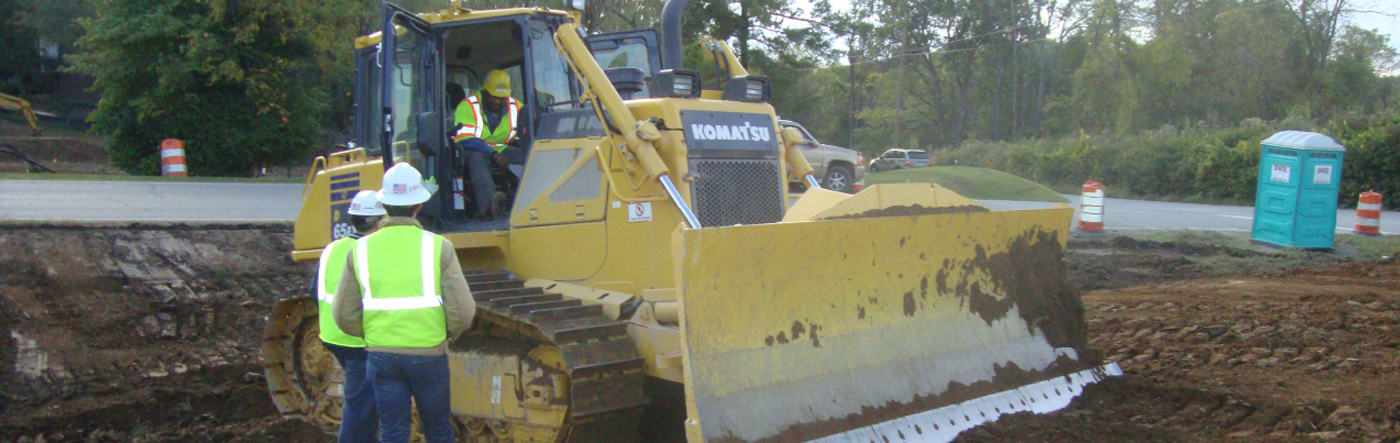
{"x":320,"y":160}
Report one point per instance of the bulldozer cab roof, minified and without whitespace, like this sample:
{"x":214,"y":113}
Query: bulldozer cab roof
{"x":461,"y":15}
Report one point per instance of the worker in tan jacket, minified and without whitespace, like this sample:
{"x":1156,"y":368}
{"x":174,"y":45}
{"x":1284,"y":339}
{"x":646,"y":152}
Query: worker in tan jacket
{"x":404,"y":292}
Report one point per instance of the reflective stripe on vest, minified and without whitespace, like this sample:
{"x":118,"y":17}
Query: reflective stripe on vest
{"x":428,"y":260}
{"x":328,"y":272}
{"x":497,"y":139}
{"x":402,"y":305}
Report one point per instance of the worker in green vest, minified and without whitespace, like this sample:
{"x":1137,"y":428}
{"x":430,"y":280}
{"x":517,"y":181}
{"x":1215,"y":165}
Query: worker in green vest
{"x":403,"y":291}
{"x":488,"y":124}
{"x":358,"y":421}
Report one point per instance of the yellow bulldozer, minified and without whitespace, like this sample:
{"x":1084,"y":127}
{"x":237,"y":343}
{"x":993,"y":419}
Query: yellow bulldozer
{"x":654,"y":280}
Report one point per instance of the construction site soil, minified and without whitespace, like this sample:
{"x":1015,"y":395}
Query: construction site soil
{"x":152,"y":334}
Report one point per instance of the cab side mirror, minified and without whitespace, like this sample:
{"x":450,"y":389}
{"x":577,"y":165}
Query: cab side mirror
{"x":429,"y":132}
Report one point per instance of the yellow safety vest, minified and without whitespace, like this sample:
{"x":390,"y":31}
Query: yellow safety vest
{"x":328,"y":273}
{"x":473,"y":122}
{"x":399,"y":269}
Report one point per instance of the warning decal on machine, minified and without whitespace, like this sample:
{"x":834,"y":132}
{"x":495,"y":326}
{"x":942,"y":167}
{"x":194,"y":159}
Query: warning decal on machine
{"x":639,"y":212}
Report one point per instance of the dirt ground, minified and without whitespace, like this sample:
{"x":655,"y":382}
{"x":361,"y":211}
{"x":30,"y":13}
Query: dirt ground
{"x":74,"y":152}
{"x":64,"y":152}
{"x":152,"y":334}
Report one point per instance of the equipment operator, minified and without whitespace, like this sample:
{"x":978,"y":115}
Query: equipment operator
{"x":488,"y":124}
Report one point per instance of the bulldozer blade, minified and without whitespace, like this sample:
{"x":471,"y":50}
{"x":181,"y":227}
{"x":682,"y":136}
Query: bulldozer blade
{"x":902,"y":326}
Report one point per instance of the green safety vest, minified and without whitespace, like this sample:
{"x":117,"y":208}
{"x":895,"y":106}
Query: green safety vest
{"x":473,"y":120}
{"x":400,"y":275}
{"x":328,"y":274}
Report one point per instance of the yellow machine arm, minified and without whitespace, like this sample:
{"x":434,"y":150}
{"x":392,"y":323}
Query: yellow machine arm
{"x":638,"y":148}
{"x":12,"y":103}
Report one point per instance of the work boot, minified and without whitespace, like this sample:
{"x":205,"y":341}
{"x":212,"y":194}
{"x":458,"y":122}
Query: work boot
{"x":498,"y":205}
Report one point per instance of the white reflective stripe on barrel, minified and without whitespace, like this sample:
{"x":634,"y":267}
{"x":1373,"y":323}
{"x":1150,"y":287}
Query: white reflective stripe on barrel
{"x":172,"y":168}
{"x":1093,"y":210}
{"x":1090,"y":217}
{"x":1375,"y":222}
{"x":166,"y":153}
{"x":1094,"y":193}
{"x":1091,"y":201}
{"x":1369,"y":206}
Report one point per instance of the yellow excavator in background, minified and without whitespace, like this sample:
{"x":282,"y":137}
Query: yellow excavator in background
{"x":16,"y":104}
{"x":653,"y":279}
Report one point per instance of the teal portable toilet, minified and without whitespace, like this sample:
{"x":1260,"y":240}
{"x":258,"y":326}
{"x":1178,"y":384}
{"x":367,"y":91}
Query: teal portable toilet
{"x":1300,"y":175}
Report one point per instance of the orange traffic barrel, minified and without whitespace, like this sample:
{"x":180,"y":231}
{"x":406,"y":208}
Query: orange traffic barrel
{"x":1368,"y":214}
{"x":1091,"y":208}
{"x":172,"y":158}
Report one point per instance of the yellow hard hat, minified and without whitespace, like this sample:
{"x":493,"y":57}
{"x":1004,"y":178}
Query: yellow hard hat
{"x":497,"y":83}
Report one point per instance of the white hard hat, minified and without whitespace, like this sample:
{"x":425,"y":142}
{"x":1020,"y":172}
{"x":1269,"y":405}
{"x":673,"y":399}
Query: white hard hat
{"x":403,"y":186}
{"x":364,"y":203}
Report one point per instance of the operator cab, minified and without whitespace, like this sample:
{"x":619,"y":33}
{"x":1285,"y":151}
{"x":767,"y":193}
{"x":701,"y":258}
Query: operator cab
{"x":412,"y":81}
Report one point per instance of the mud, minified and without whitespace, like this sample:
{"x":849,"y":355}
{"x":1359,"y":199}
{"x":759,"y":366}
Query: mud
{"x":151,"y":334}
{"x":140,"y":333}
{"x":1282,"y":356}
{"x":912,"y":210}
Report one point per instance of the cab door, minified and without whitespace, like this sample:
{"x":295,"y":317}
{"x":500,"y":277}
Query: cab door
{"x":411,"y":115}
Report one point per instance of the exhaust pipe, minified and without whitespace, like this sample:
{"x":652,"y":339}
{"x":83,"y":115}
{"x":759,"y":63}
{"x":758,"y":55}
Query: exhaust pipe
{"x":671,"y":16}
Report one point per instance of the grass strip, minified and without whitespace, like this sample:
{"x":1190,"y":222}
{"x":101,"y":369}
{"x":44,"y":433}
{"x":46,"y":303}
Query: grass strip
{"x":978,"y":183}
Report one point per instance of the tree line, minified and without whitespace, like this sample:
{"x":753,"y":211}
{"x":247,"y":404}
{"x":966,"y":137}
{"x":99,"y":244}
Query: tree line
{"x":268,"y":81}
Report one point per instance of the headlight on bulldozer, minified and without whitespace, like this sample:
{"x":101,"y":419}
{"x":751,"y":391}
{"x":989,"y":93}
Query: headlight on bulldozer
{"x":748,"y":89}
{"x":679,"y":83}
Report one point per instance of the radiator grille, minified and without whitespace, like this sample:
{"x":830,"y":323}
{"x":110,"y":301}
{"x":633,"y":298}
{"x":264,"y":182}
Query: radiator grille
{"x":732,"y":192}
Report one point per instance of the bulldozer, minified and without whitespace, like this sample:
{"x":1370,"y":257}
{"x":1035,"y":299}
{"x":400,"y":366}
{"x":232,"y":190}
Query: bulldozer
{"x":654,"y":279}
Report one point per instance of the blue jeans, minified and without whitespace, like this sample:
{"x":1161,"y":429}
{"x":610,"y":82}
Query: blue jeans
{"x":479,"y":175}
{"x":358,"y":421}
{"x":421,"y":379}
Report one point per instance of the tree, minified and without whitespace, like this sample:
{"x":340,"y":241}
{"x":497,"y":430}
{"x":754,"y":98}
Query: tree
{"x":1353,"y":77}
{"x":19,"y":49}
{"x":234,"y":80}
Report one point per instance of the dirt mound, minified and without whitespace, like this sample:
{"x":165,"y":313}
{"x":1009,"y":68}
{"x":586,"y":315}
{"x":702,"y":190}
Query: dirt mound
{"x":74,"y":154}
{"x":1120,"y":262}
{"x":1305,"y":354}
{"x":140,"y":333}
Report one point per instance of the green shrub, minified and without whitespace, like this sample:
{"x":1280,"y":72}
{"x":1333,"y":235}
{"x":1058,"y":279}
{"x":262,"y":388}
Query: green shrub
{"x":1199,"y":163}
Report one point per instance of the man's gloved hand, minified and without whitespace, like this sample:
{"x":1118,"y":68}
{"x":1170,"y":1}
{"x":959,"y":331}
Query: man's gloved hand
{"x":501,"y":160}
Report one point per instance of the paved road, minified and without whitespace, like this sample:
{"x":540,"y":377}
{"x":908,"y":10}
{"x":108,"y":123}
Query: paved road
{"x":125,"y":201}
{"x":120,"y":201}
{"x":1121,"y":214}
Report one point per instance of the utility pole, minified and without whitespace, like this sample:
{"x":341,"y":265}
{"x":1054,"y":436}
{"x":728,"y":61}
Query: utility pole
{"x":851,"y":120}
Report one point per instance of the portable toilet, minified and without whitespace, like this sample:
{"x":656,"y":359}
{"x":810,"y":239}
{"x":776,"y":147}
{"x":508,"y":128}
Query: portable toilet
{"x":1300,"y":174}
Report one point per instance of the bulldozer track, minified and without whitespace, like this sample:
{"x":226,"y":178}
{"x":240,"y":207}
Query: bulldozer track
{"x":605,"y":371}
{"x":606,"y":374}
